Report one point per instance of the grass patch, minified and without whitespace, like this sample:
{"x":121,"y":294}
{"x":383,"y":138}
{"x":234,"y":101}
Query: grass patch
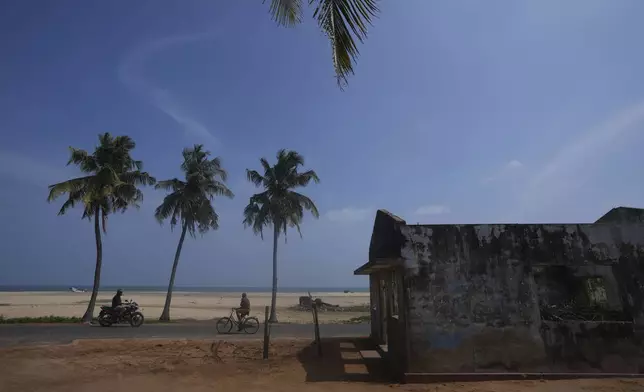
{"x":351,"y":308}
{"x":45,"y":319}
{"x":359,"y":320}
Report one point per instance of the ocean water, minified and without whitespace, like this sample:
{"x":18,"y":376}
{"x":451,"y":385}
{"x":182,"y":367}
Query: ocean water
{"x":218,"y":289}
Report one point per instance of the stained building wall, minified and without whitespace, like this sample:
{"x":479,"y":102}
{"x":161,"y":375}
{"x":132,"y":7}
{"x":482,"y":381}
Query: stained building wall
{"x":474,"y":302}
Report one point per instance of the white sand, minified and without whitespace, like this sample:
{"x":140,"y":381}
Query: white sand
{"x":185,"y":305}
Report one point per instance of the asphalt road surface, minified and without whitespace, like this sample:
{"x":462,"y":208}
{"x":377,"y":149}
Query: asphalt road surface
{"x":16,"y":334}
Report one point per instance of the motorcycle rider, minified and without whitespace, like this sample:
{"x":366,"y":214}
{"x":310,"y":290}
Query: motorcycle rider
{"x":117,"y":304}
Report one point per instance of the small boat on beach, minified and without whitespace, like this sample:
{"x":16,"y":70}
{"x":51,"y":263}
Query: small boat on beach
{"x":77,"y":290}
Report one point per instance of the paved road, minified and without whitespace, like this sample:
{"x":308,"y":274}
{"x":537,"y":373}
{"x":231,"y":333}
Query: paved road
{"x":11,"y":335}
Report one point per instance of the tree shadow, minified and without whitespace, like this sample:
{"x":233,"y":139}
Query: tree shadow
{"x":341,"y":361}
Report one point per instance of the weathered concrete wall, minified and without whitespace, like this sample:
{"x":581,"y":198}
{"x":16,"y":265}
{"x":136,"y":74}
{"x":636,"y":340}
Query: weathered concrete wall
{"x":585,"y":345}
{"x":473,"y":300}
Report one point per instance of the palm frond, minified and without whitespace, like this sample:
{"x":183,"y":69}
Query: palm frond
{"x":86,"y":163}
{"x":257,"y":213}
{"x":174,"y":185}
{"x":342,"y":20}
{"x":265,"y":165}
{"x":305,"y":202}
{"x":69,"y":186}
{"x":124,"y":142}
{"x":214,"y":167}
{"x":137,"y":177}
{"x":207,"y":217}
{"x":107,"y":176}
{"x":286,"y":12}
{"x":137,"y":165}
{"x":303,"y":179}
{"x":73,"y":198}
{"x":124,"y":196}
{"x":254,"y":177}
{"x":166,"y":208}
{"x":217,"y":188}
{"x":290,"y":158}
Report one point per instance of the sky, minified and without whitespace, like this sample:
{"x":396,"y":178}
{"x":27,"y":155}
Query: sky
{"x":459,"y":112}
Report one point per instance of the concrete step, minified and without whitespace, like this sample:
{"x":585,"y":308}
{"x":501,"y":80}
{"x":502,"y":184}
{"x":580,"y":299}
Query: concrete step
{"x":370,"y":354}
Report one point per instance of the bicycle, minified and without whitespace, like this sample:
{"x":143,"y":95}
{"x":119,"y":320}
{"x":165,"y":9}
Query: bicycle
{"x":249,"y":325}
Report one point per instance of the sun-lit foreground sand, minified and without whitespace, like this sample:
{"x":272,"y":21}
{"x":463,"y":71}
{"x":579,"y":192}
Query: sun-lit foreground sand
{"x":293,"y":366}
{"x":185,"y":305}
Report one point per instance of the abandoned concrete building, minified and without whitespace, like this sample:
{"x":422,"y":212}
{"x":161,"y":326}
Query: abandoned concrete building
{"x":509,"y":297}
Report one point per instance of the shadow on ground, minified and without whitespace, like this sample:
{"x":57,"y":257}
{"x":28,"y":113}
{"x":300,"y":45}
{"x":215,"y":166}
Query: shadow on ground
{"x":341,"y":361}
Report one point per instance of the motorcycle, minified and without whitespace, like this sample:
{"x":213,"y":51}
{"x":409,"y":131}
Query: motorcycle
{"x":131,"y":314}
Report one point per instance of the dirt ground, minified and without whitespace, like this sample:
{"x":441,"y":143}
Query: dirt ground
{"x":163,"y":365}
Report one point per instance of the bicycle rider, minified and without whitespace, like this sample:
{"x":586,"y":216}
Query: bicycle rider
{"x":243,"y":310}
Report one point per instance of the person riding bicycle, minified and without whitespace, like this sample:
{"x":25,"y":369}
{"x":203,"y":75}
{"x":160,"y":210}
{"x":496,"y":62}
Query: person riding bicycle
{"x":243,"y":310}
{"x":117,"y":303}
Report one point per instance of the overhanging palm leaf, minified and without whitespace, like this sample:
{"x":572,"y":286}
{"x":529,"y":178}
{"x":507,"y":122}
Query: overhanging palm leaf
{"x":286,"y":12}
{"x":343,"y":21}
{"x":190,"y":202}
{"x":279,"y":205}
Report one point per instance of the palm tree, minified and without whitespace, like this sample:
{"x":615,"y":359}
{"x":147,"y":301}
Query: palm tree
{"x":110,"y":186}
{"x":340,"y":20}
{"x":279,"y":204}
{"x":190,"y":202}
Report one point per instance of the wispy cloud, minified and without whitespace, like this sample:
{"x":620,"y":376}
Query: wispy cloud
{"x":349,"y":214}
{"x":507,"y":169}
{"x":570,"y":167}
{"x":29,"y":170}
{"x":131,"y":74}
{"x":433,"y":209}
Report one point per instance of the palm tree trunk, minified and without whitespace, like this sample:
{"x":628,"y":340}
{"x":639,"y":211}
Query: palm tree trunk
{"x":89,"y":313}
{"x":273,"y":318}
{"x":165,"y":315}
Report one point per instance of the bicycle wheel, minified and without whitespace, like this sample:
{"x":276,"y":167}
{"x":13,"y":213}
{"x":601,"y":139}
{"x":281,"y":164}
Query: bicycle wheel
{"x":224,"y":325}
{"x":251,"y":325}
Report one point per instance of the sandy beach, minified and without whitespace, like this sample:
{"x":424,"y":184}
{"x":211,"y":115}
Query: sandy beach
{"x":185,"y":305}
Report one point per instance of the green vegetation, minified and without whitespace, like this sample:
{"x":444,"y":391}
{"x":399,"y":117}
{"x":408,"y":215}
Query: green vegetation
{"x":112,"y":186}
{"x":352,"y":308}
{"x":190,"y":202}
{"x":359,"y":320}
{"x":45,"y":319}
{"x":342,"y":21}
{"x":279,"y":205}
{"x":109,"y":186}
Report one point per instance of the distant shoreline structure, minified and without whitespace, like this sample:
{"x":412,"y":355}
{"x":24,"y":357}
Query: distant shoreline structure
{"x":204,"y":289}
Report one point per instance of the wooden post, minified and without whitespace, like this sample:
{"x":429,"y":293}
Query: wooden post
{"x":266,"y":332}
{"x":316,"y":323}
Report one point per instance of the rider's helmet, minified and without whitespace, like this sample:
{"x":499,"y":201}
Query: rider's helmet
{"x":119,"y":292}
{"x":243,"y":295}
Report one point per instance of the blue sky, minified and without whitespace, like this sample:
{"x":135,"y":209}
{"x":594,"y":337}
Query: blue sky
{"x":459,"y":112}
